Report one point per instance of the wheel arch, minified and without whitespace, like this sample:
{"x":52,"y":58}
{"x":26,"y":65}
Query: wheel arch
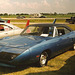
{"x":48,"y":52}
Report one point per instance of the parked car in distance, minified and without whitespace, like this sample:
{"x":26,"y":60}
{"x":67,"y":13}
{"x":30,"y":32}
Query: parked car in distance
{"x":42,"y":17}
{"x":20,"y":17}
{"x":71,"y":21}
{"x":37,"y":43}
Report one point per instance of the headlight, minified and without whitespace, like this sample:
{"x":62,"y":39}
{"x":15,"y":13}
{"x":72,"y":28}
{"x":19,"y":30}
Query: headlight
{"x":13,"y":56}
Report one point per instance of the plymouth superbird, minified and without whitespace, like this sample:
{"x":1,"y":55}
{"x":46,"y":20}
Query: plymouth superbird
{"x":37,"y":43}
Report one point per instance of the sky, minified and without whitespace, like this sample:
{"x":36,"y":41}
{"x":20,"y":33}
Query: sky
{"x":37,"y":6}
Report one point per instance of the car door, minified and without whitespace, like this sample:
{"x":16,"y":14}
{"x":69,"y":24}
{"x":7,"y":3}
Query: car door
{"x":65,"y":43}
{"x":64,"y":39}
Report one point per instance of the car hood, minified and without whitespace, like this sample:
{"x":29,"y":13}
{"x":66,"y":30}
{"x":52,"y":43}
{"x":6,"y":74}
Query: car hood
{"x":20,"y":42}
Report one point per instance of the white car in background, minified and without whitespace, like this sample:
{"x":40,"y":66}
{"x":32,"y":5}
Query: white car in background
{"x":7,"y":29}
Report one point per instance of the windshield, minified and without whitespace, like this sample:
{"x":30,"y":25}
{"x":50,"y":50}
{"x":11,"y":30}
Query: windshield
{"x":38,"y":31}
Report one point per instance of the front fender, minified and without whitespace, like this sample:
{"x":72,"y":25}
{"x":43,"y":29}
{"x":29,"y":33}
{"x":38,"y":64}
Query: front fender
{"x":46,"y":45}
{"x":22,"y":58}
{"x":38,"y":49}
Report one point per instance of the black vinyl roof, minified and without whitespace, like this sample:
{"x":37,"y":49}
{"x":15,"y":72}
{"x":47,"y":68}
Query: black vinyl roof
{"x":48,"y":25}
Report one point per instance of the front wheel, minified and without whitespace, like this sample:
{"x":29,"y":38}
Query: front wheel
{"x":43,"y":59}
{"x":74,"y":46}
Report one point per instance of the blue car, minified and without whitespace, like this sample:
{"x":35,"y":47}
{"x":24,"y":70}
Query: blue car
{"x":37,"y":43}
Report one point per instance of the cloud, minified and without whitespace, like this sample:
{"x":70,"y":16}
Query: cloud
{"x":44,"y":2}
{"x":4,"y":4}
{"x":63,"y":6}
{"x":32,"y":6}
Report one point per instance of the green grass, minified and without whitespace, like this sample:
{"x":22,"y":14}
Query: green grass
{"x":20,"y":25}
{"x":72,"y":26}
{"x":60,"y":16}
{"x":12,"y":16}
{"x":31,"y":20}
{"x":38,"y":20}
{"x":48,"y":16}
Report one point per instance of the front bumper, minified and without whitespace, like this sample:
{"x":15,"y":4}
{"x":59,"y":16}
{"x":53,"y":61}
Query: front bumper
{"x":7,"y":65}
{"x":6,"y":59}
{"x":5,"y":56}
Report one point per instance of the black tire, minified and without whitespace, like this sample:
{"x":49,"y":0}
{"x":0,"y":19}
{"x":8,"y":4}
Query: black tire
{"x":43,"y":59}
{"x":73,"y":48}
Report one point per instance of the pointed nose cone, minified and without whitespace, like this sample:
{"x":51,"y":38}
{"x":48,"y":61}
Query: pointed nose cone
{"x":8,"y":21}
{"x":27,"y":23}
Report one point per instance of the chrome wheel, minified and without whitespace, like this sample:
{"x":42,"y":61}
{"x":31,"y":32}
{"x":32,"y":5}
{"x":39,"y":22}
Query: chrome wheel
{"x":43,"y":59}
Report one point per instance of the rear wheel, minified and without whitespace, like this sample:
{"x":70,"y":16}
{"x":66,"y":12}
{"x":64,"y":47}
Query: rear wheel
{"x":43,"y":59}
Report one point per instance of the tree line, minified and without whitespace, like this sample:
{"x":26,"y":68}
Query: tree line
{"x":55,"y":13}
{"x":6,"y":14}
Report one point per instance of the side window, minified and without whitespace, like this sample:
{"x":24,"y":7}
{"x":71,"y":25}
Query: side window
{"x":66,"y":31}
{"x":45,"y":31}
{"x":5,"y":28}
{"x":62,"y":30}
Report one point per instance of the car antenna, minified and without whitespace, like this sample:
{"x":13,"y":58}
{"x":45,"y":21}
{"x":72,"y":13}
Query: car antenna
{"x":54,"y":21}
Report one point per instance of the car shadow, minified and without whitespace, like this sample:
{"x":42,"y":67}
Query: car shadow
{"x":6,"y":70}
{"x":67,"y":69}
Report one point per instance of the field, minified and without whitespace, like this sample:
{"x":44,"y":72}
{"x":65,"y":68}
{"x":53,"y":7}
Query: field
{"x":63,"y":64}
{"x":22,"y":22}
{"x":45,"y":14}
